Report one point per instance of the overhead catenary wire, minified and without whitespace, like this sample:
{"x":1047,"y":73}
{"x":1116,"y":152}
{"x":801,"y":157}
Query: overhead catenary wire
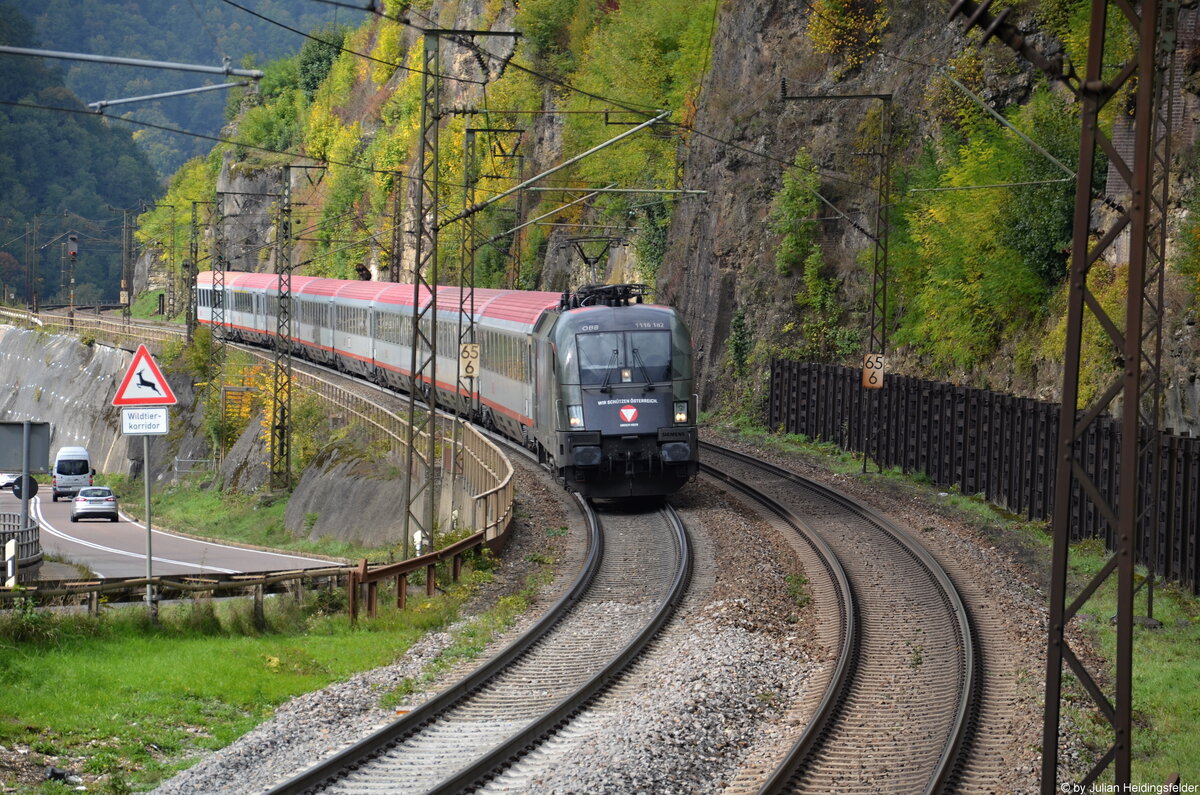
{"x":645,"y":111}
{"x":339,"y":47}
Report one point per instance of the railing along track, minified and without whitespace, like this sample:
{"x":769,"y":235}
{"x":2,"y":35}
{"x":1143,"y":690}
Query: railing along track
{"x":883,"y":724}
{"x":395,"y":757}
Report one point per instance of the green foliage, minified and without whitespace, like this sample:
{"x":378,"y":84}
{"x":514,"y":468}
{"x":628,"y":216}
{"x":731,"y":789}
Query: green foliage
{"x":341,"y":217}
{"x":195,"y":358}
{"x":972,"y":265}
{"x":792,"y":211}
{"x":651,"y":241}
{"x":317,"y":57}
{"x":739,"y":343}
{"x":1188,"y":259}
{"x":1036,"y":221}
{"x":167,"y":226}
{"x":850,"y":30}
{"x":269,"y":126}
{"x":547,"y":26}
{"x":651,"y":54}
{"x":824,"y":337}
{"x":798,"y":589}
{"x":68,"y":170}
{"x":310,"y":429}
{"x":1099,"y":356}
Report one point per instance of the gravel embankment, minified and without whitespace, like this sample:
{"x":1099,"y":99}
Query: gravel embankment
{"x":739,"y":654}
{"x":712,"y":695}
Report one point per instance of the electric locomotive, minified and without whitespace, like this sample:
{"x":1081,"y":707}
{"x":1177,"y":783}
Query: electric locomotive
{"x":597,"y":382}
{"x":617,"y":414}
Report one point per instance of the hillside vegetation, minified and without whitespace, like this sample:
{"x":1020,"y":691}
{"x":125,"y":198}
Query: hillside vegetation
{"x":979,"y":224}
{"x":73,"y":172}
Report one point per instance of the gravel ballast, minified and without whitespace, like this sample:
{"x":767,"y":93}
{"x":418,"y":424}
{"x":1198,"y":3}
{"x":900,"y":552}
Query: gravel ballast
{"x":713,"y":694}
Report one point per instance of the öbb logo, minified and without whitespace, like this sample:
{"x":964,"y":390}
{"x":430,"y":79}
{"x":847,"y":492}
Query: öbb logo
{"x":629,"y":413}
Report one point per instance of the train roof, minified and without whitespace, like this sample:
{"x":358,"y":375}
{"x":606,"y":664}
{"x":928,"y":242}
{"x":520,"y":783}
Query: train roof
{"x":245,"y":280}
{"x":513,"y":306}
{"x":618,"y":316}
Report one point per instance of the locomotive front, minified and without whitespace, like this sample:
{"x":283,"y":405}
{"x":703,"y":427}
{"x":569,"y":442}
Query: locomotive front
{"x":622,"y":386}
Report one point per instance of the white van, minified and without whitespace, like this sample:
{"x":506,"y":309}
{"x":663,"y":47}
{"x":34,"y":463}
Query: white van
{"x":72,"y":471}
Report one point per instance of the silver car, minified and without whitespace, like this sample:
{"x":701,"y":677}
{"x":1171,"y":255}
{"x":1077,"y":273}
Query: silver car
{"x":94,"y":502}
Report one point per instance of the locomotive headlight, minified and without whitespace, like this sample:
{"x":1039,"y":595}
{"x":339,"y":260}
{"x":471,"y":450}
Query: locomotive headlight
{"x":681,"y":412}
{"x":575,"y":416}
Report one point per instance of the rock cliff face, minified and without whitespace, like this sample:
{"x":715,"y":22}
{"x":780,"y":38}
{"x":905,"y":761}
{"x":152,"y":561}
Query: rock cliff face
{"x":720,"y":253}
{"x":720,"y":249}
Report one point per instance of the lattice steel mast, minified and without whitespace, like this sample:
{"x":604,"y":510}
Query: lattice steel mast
{"x":281,"y":371}
{"x":1138,"y":346}
{"x":420,"y":487}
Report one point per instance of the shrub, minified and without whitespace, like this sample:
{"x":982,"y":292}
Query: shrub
{"x":792,"y":211}
{"x":850,"y":30}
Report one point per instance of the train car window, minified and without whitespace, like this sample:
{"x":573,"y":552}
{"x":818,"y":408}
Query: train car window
{"x":651,"y":351}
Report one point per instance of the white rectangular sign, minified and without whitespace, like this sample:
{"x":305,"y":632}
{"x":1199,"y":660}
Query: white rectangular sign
{"x":145,"y":421}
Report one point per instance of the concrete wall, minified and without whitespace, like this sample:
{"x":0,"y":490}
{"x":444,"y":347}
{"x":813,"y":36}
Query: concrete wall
{"x":59,"y":380}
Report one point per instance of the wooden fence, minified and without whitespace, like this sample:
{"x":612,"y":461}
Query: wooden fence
{"x":998,"y":446}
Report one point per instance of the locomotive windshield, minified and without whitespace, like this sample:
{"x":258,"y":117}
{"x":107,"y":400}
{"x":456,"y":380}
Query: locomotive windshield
{"x":624,"y":357}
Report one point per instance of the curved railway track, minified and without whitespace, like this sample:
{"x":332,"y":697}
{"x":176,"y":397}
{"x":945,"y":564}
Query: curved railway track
{"x":896,"y":713}
{"x":636,"y":572}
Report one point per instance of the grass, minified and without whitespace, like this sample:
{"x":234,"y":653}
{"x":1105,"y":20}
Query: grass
{"x":247,"y":519}
{"x":137,"y":701}
{"x":133,"y":703}
{"x":1166,"y":667}
{"x":471,"y":639}
{"x":1166,"y":674}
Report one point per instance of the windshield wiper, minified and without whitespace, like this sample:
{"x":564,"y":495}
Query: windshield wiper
{"x":608,"y":370}
{"x":637,"y":357}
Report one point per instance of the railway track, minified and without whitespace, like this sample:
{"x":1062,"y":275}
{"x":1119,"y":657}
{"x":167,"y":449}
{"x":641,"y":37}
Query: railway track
{"x":636,"y":572}
{"x":896,"y":712}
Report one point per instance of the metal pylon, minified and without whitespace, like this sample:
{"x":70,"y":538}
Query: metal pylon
{"x":420,"y":485}
{"x":281,"y":372}
{"x":216,"y":342}
{"x":1136,"y":341}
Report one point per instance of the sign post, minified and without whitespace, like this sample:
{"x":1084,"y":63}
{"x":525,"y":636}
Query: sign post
{"x":872,"y":372}
{"x":872,"y":382}
{"x":143,"y":396}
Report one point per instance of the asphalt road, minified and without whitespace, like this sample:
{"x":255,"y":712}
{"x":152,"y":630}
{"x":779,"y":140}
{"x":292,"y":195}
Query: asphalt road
{"x":118,"y":549}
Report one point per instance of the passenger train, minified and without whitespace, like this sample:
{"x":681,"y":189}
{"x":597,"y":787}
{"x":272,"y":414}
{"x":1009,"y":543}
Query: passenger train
{"x":597,"y":382}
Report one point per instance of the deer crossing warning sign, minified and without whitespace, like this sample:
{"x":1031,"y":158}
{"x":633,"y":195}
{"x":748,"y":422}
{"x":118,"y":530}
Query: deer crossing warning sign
{"x":144,"y":384}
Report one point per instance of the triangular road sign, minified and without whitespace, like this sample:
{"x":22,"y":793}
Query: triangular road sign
{"x":144,"y":384}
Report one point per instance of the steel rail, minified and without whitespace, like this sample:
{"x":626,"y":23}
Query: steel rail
{"x":513,"y":747}
{"x":848,"y":620}
{"x":962,"y":726}
{"x":327,"y":770}
{"x":520,"y":744}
